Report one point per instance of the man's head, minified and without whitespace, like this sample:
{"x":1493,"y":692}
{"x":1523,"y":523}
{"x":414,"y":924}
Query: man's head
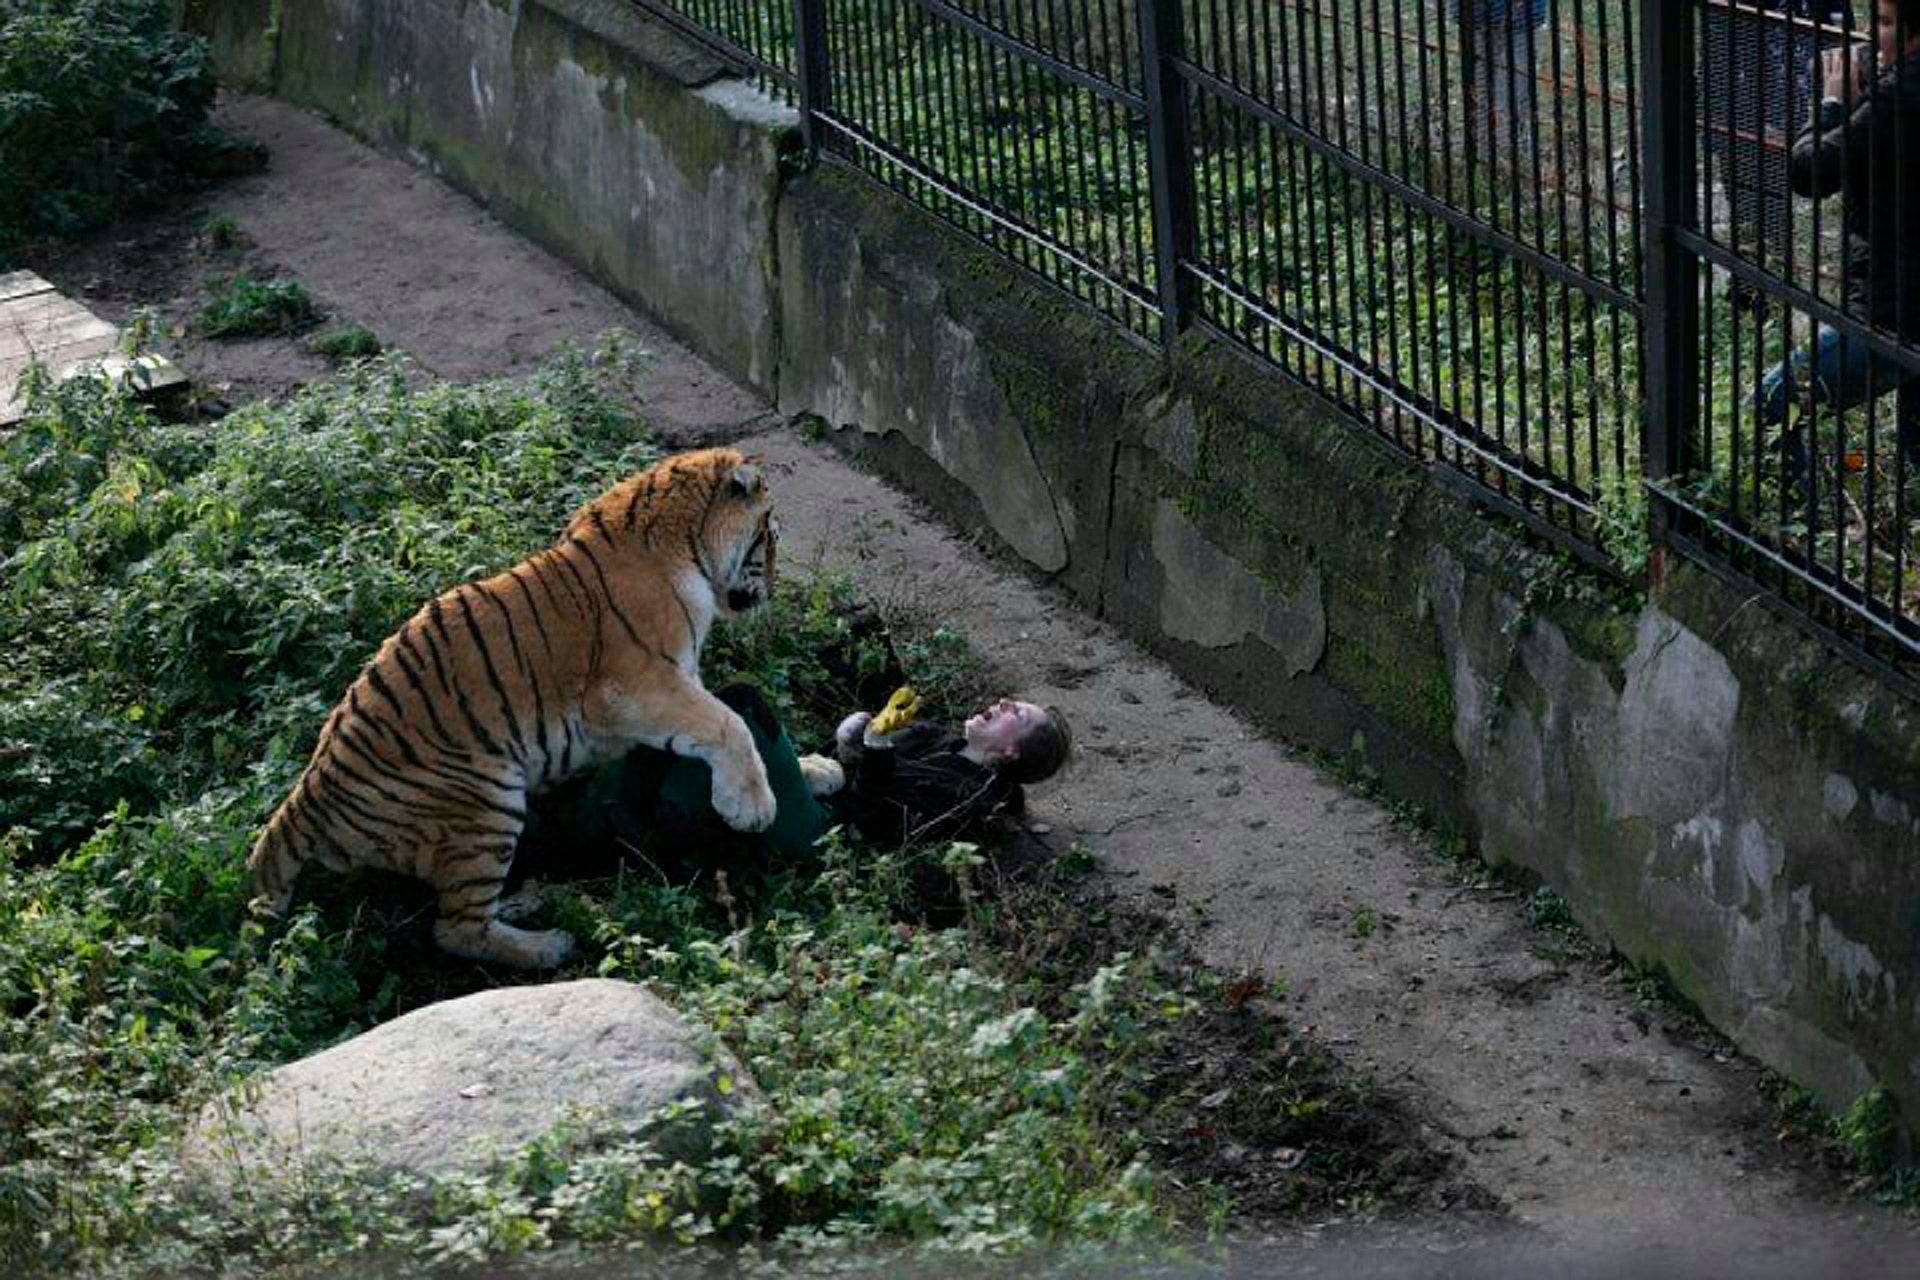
{"x":1896,"y":28}
{"x":1024,"y":742}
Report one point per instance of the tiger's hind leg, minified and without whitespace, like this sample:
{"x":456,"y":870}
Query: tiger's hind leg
{"x":491,"y":940}
{"x":473,"y":916}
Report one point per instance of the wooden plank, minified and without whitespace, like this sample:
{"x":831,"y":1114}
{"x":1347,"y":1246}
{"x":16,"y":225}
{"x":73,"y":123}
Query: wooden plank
{"x":18,"y":284}
{"x":81,"y":346}
{"x":23,"y":320}
{"x":50,"y":343}
{"x":23,"y":339}
{"x":37,"y":323}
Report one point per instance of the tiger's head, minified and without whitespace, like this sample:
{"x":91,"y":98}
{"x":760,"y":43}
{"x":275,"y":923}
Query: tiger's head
{"x":708,"y":511}
{"x":740,"y":535}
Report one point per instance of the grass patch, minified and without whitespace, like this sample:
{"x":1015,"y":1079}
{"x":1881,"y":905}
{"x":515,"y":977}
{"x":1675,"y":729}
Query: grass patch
{"x":1861,"y":1142}
{"x":348,"y":342}
{"x":222,"y":233}
{"x":243,"y":307}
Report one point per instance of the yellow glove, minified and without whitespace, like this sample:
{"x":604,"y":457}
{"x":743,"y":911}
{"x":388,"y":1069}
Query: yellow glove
{"x":900,"y":712}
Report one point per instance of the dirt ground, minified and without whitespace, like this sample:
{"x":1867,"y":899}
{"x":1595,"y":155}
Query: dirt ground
{"x":1600,"y":1122}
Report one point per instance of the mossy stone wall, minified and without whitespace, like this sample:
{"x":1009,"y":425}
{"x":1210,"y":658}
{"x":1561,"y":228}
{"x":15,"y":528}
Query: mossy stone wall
{"x":1713,"y":791}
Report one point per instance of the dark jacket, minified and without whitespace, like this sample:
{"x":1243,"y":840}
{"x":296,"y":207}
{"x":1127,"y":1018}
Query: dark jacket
{"x":1872,"y":157}
{"x":920,"y":788}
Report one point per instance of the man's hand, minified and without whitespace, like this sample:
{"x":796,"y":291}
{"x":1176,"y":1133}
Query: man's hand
{"x":853,"y":726}
{"x":900,"y":711}
{"x":1847,"y":73}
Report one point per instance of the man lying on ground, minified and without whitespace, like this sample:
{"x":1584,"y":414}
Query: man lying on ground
{"x":894,"y":778}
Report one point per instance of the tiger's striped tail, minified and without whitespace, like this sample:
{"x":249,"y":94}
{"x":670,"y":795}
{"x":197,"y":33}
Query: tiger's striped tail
{"x":276,"y":860}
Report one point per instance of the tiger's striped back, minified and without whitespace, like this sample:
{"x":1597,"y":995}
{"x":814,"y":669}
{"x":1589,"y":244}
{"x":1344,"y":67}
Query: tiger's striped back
{"x":501,"y":687}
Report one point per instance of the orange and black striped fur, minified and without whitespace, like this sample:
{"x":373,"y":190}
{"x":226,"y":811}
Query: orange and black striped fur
{"x":504,"y":686}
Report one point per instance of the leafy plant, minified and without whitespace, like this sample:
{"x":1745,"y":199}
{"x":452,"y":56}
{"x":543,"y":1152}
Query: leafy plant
{"x":222,"y":232}
{"x":349,"y":342}
{"x":103,"y":107}
{"x":1870,"y":1131}
{"x":242,"y":307}
{"x":182,"y":606}
{"x":181,"y":601}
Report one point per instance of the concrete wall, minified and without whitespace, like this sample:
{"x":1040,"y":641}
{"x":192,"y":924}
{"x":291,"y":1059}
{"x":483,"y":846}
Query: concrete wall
{"x":1712,"y":791}
{"x":576,"y":121}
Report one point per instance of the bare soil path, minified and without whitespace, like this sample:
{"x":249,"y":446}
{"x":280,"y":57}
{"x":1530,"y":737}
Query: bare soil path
{"x":1600,"y":1122}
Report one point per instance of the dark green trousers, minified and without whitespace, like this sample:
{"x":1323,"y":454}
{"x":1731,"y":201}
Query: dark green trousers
{"x":664,"y":803}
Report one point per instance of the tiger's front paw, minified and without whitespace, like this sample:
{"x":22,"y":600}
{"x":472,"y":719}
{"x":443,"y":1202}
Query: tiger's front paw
{"x":749,"y":806}
{"x":824,"y":777}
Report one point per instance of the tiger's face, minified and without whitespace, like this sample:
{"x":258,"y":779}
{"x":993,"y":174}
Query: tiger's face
{"x":741,"y":535}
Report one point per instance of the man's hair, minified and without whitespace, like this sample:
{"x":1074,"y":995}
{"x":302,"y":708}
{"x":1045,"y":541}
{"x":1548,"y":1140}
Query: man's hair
{"x":1045,"y":748}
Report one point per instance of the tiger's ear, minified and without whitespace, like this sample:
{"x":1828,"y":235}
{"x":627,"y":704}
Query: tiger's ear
{"x":746,"y":481}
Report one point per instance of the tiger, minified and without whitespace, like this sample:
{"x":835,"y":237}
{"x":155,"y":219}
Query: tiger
{"x":499,"y":688}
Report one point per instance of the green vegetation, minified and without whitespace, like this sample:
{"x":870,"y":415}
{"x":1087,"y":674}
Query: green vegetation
{"x":222,"y":232}
{"x":1862,"y":1141}
{"x":182,"y":605}
{"x":348,"y":342}
{"x":103,"y":107}
{"x":241,"y":307}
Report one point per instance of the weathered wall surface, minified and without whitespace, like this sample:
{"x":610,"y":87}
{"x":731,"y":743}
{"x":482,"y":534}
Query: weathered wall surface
{"x":575,"y":120}
{"x":1712,"y":791}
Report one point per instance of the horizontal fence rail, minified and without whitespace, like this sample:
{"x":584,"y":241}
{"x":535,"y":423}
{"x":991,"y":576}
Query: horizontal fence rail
{"x":1570,"y":251}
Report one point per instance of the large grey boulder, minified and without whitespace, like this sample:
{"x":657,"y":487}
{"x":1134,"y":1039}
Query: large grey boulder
{"x":450,"y":1087}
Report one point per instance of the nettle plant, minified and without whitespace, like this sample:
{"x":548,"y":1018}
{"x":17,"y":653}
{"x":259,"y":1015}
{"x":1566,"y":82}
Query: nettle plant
{"x":181,"y":605}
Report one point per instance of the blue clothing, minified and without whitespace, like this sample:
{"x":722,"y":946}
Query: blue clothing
{"x":1842,"y":375}
{"x":1504,"y":15}
{"x":1498,"y":43}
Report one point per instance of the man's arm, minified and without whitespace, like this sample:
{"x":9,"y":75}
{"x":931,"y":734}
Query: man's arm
{"x":1835,"y":141}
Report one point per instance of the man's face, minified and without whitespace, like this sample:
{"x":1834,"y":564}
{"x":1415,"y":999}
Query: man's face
{"x":1000,"y":729}
{"x":1892,"y":41}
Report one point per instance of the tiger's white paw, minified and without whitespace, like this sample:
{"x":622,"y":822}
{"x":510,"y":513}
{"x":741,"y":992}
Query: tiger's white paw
{"x":747,"y":808}
{"x":824,"y":777}
{"x":492,"y":942}
{"x":550,"y":948}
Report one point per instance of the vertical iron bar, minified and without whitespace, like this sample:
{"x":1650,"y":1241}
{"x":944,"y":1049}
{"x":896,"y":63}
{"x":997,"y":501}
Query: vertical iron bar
{"x":816,"y":69}
{"x":1672,"y":330}
{"x":1169,"y":159}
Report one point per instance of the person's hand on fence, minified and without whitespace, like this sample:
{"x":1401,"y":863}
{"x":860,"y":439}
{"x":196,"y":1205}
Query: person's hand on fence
{"x":1847,"y":73}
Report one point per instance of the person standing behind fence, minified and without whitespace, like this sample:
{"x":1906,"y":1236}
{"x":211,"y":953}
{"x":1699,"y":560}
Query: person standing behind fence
{"x":1756,"y":83}
{"x":1864,"y":143}
{"x":1498,"y":39}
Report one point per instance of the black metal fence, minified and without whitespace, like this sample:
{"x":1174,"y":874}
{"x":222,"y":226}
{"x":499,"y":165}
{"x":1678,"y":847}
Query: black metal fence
{"x":1564,"y":249}
{"x":1792,"y":307}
